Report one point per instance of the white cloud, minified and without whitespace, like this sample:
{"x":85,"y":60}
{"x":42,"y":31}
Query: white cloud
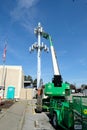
{"x":26,"y":3}
{"x":25,"y":12}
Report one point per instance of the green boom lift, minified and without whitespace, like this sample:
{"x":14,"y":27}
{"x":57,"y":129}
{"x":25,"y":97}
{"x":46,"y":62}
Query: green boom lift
{"x":70,"y":115}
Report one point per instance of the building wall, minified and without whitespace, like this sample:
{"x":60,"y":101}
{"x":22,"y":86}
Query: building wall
{"x":13,"y":76}
{"x":26,"y":93}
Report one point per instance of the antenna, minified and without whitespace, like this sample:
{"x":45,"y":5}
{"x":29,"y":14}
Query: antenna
{"x":39,"y":47}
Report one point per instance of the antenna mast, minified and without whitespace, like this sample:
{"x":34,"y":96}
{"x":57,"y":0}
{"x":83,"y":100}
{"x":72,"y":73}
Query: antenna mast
{"x":39,"y":47}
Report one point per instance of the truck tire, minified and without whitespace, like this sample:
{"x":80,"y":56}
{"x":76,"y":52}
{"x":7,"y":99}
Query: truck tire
{"x":55,"y":121}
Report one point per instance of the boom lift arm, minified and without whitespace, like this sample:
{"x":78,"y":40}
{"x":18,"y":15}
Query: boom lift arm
{"x":57,"y":79}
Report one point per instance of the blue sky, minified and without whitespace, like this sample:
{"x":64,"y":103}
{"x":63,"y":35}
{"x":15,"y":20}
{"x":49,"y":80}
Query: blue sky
{"x":64,"y":20}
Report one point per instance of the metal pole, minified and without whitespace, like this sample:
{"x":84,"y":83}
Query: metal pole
{"x":4,"y":72}
{"x":38,"y":62}
{"x":39,"y":47}
{"x":3,"y":75}
{"x":3,"y":69}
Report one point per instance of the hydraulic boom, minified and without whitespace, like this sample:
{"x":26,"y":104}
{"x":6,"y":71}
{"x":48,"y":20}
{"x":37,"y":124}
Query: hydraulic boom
{"x":57,"y":80}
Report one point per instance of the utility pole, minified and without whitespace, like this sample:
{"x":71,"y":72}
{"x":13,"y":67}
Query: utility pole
{"x":39,"y":47}
{"x":4,"y":71}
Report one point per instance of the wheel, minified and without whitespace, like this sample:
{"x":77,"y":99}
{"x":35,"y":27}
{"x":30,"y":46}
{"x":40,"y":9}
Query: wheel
{"x":54,"y":121}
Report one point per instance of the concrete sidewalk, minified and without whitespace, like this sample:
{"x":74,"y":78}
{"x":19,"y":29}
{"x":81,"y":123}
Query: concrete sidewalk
{"x":12,"y":119}
{"x":35,"y":121}
{"x":21,"y":116}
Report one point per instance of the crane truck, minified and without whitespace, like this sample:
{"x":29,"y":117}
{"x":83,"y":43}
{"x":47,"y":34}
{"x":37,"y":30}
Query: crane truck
{"x":70,"y":115}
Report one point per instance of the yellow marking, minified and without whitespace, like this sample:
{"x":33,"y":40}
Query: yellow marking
{"x":85,"y":111}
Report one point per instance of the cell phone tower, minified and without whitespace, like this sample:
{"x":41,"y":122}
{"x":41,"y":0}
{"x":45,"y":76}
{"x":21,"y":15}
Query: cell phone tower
{"x":39,"y":46}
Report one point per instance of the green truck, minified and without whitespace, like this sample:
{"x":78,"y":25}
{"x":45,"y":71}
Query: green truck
{"x":68,"y":114}
{"x":60,"y":108}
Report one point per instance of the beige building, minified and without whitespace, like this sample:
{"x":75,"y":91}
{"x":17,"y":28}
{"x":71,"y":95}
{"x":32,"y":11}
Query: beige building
{"x":12,"y":76}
